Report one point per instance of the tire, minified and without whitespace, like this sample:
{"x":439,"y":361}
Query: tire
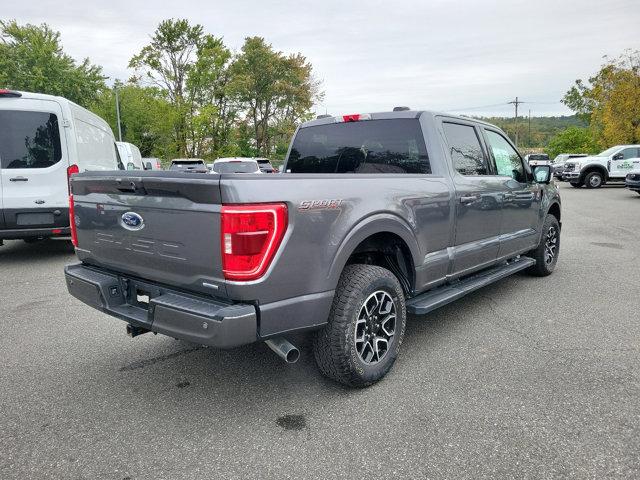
{"x":338,"y":353}
{"x":594,"y":180}
{"x":576,"y":184}
{"x":545,"y":266}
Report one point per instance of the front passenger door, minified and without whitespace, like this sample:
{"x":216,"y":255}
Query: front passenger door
{"x":624,"y":161}
{"x":521,"y":197}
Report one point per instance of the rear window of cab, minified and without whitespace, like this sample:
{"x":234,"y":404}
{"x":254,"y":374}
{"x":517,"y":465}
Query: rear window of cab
{"x":371,"y":146}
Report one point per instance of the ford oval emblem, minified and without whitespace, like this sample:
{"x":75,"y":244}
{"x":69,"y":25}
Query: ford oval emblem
{"x":132,"y":221}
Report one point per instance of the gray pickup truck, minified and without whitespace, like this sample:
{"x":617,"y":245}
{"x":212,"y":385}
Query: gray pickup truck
{"x":375,"y":216}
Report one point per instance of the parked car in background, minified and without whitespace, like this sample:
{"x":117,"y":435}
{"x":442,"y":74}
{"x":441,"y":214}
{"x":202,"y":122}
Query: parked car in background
{"x":191,"y":165}
{"x":236,"y":165}
{"x":44,"y":140}
{"x":535,"y":159}
{"x":632,"y":180}
{"x":560,"y":160}
{"x":381,"y":215}
{"x":151,"y":163}
{"x":130,"y":156}
{"x":265,"y":165}
{"x":611,"y":165}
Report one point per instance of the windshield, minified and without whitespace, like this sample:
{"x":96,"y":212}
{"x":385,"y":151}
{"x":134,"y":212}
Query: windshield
{"x":607,"y":152}
{"x":370,"y":146}
{"x":235,"y":167}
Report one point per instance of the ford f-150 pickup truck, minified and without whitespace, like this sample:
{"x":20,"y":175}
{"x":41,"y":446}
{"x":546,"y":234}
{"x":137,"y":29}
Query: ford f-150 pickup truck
{"x":375,"y":216}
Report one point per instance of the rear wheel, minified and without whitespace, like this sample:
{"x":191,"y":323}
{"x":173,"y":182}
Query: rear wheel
{"x":361,"y":341}
{"x":594,"y":180}
{"x":546,"y":253}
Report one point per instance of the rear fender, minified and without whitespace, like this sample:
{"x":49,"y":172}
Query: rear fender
{"x":378,"y":223}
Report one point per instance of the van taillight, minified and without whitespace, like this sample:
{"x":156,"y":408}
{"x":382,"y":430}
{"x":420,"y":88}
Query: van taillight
{"x":72,"y":221}
{"x":250,"y":237}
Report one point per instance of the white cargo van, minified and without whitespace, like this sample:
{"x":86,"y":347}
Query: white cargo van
{"x":130,"y":156}
{"x":43,"y":140}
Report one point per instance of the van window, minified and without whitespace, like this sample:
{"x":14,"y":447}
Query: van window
{"x":465,"y":149}
{"x":95,"y":147}
{"x":368,"y":146}
{"x":29,"y":139}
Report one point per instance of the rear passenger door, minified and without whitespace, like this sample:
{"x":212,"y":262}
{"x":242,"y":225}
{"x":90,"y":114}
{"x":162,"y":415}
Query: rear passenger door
{"x":478,"y":199}
{"x":521,"y":196}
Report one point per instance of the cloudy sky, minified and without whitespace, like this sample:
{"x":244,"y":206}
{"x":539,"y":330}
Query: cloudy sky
{"x":464,"y":56}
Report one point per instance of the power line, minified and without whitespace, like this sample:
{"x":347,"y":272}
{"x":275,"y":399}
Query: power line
{"x":475,"y":108}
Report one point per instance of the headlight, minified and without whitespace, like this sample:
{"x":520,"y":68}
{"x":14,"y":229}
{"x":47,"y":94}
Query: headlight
{"x":576,"y":167}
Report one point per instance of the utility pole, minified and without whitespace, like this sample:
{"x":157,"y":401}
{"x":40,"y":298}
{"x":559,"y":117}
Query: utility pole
{"x":516,"y":102}
{"x":118,"y":113}
{"x":529,"y":128}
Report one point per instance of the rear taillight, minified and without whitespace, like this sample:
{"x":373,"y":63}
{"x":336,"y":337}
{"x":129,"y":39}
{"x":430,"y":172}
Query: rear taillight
{"x":71,"y":170}
{"x":250,"y":237}
{"x":72,"y":221}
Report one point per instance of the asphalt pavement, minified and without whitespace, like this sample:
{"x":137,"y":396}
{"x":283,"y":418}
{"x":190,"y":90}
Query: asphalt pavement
{"x":527,"y":378}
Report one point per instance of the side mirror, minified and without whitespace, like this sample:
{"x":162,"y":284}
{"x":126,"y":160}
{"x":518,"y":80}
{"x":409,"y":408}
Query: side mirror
{"x":131,"y":166}
{"x":618,"y":156}
{"x":542,"y":173}
{"x":148,"y":166}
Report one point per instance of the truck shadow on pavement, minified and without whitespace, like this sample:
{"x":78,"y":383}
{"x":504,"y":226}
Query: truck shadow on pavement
{"x":17,"y":251}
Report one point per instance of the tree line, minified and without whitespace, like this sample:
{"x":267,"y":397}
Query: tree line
{"x":189,"y":95}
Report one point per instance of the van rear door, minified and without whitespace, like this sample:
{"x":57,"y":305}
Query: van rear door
{"x":33,"y":164}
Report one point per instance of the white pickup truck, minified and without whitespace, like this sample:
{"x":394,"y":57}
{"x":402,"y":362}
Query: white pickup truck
{"x":612,"y":165}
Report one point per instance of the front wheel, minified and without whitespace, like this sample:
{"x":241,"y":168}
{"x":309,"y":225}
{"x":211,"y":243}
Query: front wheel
{"x":594,"y":180}
{"x":546,"y":253}
{"x":361,"y":341}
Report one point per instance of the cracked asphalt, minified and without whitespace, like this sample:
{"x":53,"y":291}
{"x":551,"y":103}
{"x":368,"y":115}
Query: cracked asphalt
{"x":527,"y":378}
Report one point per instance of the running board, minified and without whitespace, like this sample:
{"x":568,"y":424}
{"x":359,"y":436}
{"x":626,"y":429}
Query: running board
{"x":436,"y":298}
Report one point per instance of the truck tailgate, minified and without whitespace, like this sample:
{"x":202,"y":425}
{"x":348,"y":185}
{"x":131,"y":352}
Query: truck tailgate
{"x":160,"y":226}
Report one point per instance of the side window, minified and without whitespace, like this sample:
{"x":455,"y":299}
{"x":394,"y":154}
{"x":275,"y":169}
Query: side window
{"x":629,"y":153}
{"x":507,"y":160}
{"x":29,"y":139}
{"x":465,"y":149}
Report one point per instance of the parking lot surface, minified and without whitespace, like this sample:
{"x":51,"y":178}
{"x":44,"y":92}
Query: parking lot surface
{"x":527,"y":378}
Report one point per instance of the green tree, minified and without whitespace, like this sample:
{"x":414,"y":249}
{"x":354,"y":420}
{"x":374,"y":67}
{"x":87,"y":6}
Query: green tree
{"x":572,"y":140}
{"x":278,"y":91}
{"x":610,"y":100}
{"x":32,"y":59}
{"x":147,"y":118}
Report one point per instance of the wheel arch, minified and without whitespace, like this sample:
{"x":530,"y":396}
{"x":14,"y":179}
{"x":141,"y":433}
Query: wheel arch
{"x":384,"y":240}
{"x":594,"y":167}
{"x":554,"y":209}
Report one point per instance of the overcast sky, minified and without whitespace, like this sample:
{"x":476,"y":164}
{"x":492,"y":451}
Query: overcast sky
{"x":372,"y":55}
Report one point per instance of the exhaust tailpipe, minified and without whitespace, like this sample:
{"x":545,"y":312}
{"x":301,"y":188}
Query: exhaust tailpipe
{"x":284,"y":349}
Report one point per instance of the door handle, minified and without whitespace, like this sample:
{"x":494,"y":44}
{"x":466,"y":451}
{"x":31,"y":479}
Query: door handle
{"x":19,"y":179}
{"x":469,"y":199}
